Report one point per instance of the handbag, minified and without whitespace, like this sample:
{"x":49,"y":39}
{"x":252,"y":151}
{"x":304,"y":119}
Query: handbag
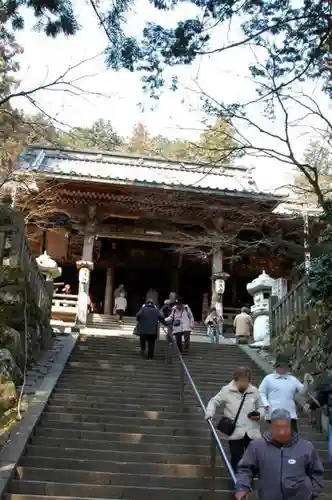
{"x":226,"y":425}
{"x":177,"y":322}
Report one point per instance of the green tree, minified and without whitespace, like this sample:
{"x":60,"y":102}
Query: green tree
{"x":297,"y":36}
{"x":175,"y":149}
{"x":216,"y":145}
{"x":101,"y":135}
{"x":53,"y":16}
{"x":318,"y":158}
{"x":140,"y":140}
{"x":11,"y":131}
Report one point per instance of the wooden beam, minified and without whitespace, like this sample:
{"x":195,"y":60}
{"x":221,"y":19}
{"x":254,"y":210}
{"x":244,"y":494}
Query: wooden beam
{"x":142,"y":237}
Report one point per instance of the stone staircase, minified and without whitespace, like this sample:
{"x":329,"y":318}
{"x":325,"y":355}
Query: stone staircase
{"x":112,"y":428}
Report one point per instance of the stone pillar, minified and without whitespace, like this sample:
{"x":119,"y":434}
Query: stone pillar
{"x":108,"y":301}
{"x":84,"y":266}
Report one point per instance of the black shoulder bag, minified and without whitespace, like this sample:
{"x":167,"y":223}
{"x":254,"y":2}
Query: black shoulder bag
{"x":226,"y":425}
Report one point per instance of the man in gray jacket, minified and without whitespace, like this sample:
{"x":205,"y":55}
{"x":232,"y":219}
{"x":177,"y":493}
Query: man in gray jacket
{"x":287,"y":467}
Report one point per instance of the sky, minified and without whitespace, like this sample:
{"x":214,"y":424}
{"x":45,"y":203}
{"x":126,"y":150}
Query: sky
{"x":118,"y":96}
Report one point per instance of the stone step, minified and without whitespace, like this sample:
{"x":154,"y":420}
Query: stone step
{"x":134,"y":390}
{"x":115,"y":455}
{"x":52,"y":491}
{"x":130,"y":467}
{"x":186,"y":447}
{"x":180,"y":420}
{"x":121,"y":397}
{"x":198,"y":347}
{"x":140,"y":413}
{"x":192,"y":448}
{"x":135,"y":384}
{"x":105,"y":478}
{"x":138,"y":437}
{"x":123,"y":437}
{"x":128,"y":327}
{"x":109,"y":406}
{"x":180,"y":429}
{"x":119,"y":479}
{"x":104,"y":366}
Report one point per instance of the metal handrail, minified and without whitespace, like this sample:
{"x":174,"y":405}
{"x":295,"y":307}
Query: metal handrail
{"x":215,"y":440}
{"x":319,"y":410}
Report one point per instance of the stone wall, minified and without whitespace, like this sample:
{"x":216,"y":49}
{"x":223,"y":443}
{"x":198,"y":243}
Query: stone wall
{"x":308,"y":342}
{"x":19,"y":324}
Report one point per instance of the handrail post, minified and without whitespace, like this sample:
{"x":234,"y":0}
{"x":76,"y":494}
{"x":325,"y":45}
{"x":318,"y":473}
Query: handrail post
{"x":167,"y":349}
{"x":184,"y":372}
{"x":213,"y":450}
{"x":166,"y":352}
{"x":181,"y":388}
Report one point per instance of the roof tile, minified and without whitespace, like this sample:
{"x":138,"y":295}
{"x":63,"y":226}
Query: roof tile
{"x":118,"y":167}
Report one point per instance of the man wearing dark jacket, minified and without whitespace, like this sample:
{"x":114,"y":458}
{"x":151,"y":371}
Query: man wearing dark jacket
{"x":287,"y":467}
{"x":148,"y":318}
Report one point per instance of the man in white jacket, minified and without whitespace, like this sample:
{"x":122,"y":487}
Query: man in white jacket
{"x":278,"y":390}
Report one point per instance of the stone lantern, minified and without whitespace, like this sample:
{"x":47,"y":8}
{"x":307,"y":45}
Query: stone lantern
{"x":49,"y":268}
{"x":260,"y":289}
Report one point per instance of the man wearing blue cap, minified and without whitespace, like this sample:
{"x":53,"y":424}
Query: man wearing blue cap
{"x":287,"y":467}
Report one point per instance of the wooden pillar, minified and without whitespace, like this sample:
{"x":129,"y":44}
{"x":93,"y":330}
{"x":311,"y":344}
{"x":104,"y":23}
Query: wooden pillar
{"x":219,"y":278}
{"x":205,"y":306}
{"x":85,"y":266}
{"x":217,"y":268}
{"x":234,"y":291}
{"x":175,"y":275}
{"x":108,"y":301}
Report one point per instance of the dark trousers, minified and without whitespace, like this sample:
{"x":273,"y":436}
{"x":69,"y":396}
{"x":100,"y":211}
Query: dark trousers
{"x":293,"y":424}
{"x":237,"y":447}
{"x":186,"y":340}
{"x":151,"y":341}
{"x":120,"y":314}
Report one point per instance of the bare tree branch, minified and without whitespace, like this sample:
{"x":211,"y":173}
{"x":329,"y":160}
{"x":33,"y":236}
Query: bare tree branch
{"x":63,"y":83}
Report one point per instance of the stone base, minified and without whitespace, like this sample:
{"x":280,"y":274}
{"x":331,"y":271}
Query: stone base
{"x":242,"y":340}
{"x":260,"y":345}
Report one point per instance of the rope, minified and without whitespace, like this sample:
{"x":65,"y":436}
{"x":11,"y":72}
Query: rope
{"x":19,"y":403}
